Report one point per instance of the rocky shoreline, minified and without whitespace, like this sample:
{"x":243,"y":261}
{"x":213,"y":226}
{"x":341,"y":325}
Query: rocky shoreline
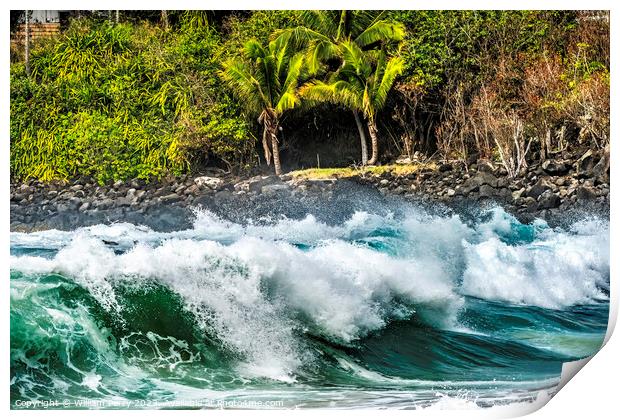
{"x":550,"y":189}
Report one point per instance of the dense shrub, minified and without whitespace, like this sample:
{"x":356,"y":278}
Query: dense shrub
{"x":475,"y":79}
{"x":143,"y":99}
{"x":123,"y":101}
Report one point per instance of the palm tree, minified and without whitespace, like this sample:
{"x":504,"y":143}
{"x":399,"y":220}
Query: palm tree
{"x":265,"y":80}
{"x":164,"y":19}
{"x":362,"y":84}
{"x":323,"y":32}
{"x":27,"y":42}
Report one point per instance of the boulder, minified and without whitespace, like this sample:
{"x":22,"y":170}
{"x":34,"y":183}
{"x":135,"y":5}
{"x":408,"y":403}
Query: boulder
{"x":256,"y":184}
{"x":75,"y":202}
{"x":586,"y":162}
{"x":505,"y":193}
{"x":445,"y":167}
{"x":123,"y":201}
{"x":517,"y":194}
{"x":485,"y":166}
{"x":487,"y":178}
{"x":170,"y":198}
{"x":103,"y":204}
{"x":18,"y":197}
{"x":208,"y":181}
{"x":403,"y":160}
{"x":192,"y":190}
{"x":555,"y":167}
{"x":538,"y":188}
{"x":486,"y":191}
{"x":399,"y":190}
{"x":482,"y":178}
{"x":602,"y":167}
{"x":585,"y":193}
{"x":531,"y":205}
{"x":224,"y":195}
{"x":548,"y":200}
{"x":274,"y":188}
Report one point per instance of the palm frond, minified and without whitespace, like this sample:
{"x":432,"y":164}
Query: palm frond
{"x":344,"y":22}
{"x":318,"y":53}
{"x":362,"y":19}
{"x":367,"y":104}
{"x":289,"y":97}
{"x":391,"y":71}
{"x":380,"y":65}
{"x":288,"y":100}
{"x":253,"y":50}
{"x":238,"y":75}
{"x":349,"y":94}
{"x":339,"y":93}
{"x":266,"y":78}
{"x":300,"y":36}
{"x":267,"y":74}
{"x":322,"y":21}
{"x":294,"y":72}
{"x":354,"y":59}
{"x":382,"y":30}
{"x":372,"y":16}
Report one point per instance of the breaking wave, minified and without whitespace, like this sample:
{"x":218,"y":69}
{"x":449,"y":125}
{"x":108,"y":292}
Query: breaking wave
{"x":417,"y":302}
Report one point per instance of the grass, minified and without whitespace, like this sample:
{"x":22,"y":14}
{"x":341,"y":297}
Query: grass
{"x":370,"y":171}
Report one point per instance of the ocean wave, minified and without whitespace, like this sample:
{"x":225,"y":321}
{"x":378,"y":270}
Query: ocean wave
{"x":494,"y":257}
{"x":283,"y":298}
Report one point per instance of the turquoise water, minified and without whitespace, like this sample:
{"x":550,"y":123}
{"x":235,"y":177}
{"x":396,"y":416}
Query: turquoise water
{"x":378,"y":311}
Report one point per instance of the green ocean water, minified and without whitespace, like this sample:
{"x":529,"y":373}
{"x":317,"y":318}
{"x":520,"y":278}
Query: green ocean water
{"x":377,"y":311}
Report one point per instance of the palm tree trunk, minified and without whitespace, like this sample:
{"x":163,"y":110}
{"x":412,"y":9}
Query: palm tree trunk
{"x":270,"y":135}
{"x":360,"y":129}
{"x":266,"y":149}
{"x":27,"y":43}
{"x":275,"y":149}
{"x":164,"y":19}
{"x":276,"y":155}
{"x":372,"y":130}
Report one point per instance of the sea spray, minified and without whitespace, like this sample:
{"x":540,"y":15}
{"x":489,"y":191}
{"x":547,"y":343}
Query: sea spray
{"x":406,"y":300}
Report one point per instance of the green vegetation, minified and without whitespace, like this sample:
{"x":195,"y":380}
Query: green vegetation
{"x":350,"y":50}
{"x":494,"y":82}
{"x":362,"y":84}
{"x":265,"y":81}
{"x":145,"y":98}
{"x":122,"y":101}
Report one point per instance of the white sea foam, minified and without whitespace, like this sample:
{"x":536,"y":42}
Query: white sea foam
{"x":240,"y":291}
{"x":252,"y":288}
{"x":84,"y":259}
{"x":558,"y":270}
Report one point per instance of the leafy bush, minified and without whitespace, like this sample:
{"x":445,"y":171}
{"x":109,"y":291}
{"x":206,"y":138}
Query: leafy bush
{"x":140,"y":100}
{"x":475,"y":78}
{"x":123,"y":101}
{"x":259,"y":25}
